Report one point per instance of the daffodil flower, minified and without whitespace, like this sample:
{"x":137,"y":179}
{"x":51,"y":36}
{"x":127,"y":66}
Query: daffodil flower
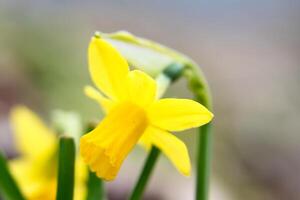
{"x":133,"y":113}
{"x":35,"y":169}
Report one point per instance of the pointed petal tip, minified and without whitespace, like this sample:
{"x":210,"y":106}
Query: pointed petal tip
{"x":186,"y":172}
{"x":211,"y":115}
{"x":88,"y":90}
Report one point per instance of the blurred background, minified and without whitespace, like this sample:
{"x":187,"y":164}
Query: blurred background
{"x":249,"y":50}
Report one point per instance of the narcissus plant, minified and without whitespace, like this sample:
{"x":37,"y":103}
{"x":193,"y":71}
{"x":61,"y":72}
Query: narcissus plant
{"x":133,"y":114}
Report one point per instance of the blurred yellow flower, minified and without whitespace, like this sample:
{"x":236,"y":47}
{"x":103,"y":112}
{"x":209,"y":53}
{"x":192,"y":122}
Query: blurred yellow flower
{"x":133,"y":113}
{"x":36,"y":168}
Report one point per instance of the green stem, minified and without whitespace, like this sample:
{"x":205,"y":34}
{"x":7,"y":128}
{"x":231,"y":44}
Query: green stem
{"x":203,"y":162}
{"x":8,"y":185}
{"x":144,"y":177}
{"x":65,"y":185}
{"x":95,"y":187}
{"x":199,"y":87}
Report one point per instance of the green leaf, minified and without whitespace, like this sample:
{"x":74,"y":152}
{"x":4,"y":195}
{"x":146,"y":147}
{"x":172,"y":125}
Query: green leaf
{"x":8,"y":185}
{"x":65,"y":185}
{"x":95,"y":188}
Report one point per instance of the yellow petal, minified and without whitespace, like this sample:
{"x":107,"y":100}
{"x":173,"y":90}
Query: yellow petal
{"x":170,"y":145}
{"x":178,"y":114}
{"x":32,"y":186}
{"x":107,"y":67}
{"x":21,"y":170}
{"x":33,"y":138}
{"x":46,"y":190}
{"x":105,"y":147}
{"x":105,"y":103}
{"x":141,"y":88}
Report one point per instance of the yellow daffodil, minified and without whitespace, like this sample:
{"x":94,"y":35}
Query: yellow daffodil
{"x":133,"y":113}
{"x":35,"y":169}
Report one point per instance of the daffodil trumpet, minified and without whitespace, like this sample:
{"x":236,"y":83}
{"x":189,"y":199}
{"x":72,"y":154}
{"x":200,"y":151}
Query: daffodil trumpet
{"x":133,"y":114}
{"x":95,"y":185}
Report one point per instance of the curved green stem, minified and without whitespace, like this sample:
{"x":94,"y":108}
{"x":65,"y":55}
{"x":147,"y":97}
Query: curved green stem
{"x":199,"y":87}
{"x":144,"y":177}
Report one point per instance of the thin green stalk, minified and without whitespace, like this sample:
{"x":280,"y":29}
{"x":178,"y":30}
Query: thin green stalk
{"x":144,"y":176}
{"x":8,"y":186}
{"x":203,"y":162}
{"x":95,"y":189}
{"x":65,"y":185}
{"x":199,"y":87}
